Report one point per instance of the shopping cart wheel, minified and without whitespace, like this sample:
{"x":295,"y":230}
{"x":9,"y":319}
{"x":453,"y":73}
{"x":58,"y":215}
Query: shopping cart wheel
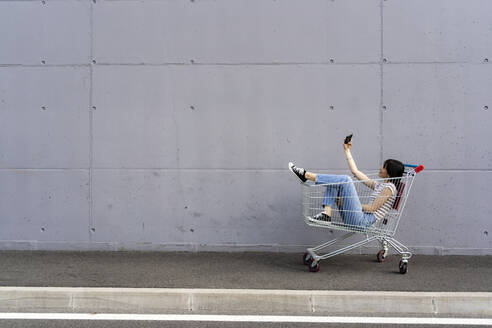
{"x":314,"y":267}
{"x":381,"y":257}
{"x":403,"y":267}
{"x":307,"y":259}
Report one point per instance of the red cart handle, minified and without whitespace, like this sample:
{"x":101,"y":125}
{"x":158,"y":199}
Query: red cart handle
{"x":417,"y":168}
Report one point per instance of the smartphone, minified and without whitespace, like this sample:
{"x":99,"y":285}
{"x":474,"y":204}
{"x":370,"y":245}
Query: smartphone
{"x":348,"y":139}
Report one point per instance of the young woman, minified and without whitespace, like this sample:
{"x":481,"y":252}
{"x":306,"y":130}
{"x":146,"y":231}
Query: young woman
{"x":341,"y":187}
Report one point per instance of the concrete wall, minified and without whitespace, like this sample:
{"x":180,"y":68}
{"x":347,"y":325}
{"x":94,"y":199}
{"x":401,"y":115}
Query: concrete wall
{"x":168,"y":125}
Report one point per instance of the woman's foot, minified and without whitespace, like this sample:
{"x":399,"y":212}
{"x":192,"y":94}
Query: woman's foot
{"x":322,"y":216}
{"x":299,"y":171}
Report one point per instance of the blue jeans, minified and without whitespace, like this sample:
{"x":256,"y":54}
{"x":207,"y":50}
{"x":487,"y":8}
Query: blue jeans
{"x":351,"y":209}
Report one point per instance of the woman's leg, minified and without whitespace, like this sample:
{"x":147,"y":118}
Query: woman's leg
{"x":337,"y":186}
{"x":343,"y":187}
{"x":331,"y":192}
{"x":310,"y":176}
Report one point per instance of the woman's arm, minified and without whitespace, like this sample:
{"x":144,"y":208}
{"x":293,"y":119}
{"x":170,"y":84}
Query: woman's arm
{"x":353,"y":168}
{"x":378,"y":202}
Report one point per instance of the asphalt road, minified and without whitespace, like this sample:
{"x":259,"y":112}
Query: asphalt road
{"x":242,"y":270}
{"x":180,"y":324}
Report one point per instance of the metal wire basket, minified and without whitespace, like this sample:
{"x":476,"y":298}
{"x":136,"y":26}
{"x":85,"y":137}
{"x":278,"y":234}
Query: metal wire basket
{"x":382,"y":230}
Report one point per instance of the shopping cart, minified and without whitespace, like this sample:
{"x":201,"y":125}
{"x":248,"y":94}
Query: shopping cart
{"x":382,"y":230}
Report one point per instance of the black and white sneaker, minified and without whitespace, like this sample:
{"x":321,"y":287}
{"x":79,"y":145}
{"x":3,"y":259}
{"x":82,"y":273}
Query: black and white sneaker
{"x":299,"y":171}
{"x":322,"y":216}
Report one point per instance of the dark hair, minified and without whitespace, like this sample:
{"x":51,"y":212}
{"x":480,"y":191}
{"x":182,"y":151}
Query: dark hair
{"x":395,"y":170}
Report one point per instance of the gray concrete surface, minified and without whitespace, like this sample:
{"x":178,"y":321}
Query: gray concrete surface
{"x":243,"y":283}
{"x":167,"y":125}
{"x":243,"y":270}
{"x":243,"y":302}
{"x":145,"y":324}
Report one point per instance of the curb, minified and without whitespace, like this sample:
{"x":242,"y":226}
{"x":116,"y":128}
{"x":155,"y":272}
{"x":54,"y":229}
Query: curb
{"x":243,"y":301}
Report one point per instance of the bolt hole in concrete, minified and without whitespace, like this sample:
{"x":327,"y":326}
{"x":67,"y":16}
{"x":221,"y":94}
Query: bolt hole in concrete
{"x":486,"y":60}
{"x":332,"y":107}
{"x":486,"y":233}
{"x":43,"y":107}
{"x":43,"y":229}
{"x":192,"y":107}
{"x":485,"y":107}
{"x":384,"y":107}
{"x":43,"y":62}
{"x":93,"y":229}
{"x":385,"y":60}
{"x":332,"y":60}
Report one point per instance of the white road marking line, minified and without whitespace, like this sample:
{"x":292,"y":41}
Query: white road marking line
{"x":244,"y":318}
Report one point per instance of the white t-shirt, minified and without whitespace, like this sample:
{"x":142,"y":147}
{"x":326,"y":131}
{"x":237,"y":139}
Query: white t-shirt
{"x":378,"y":188}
